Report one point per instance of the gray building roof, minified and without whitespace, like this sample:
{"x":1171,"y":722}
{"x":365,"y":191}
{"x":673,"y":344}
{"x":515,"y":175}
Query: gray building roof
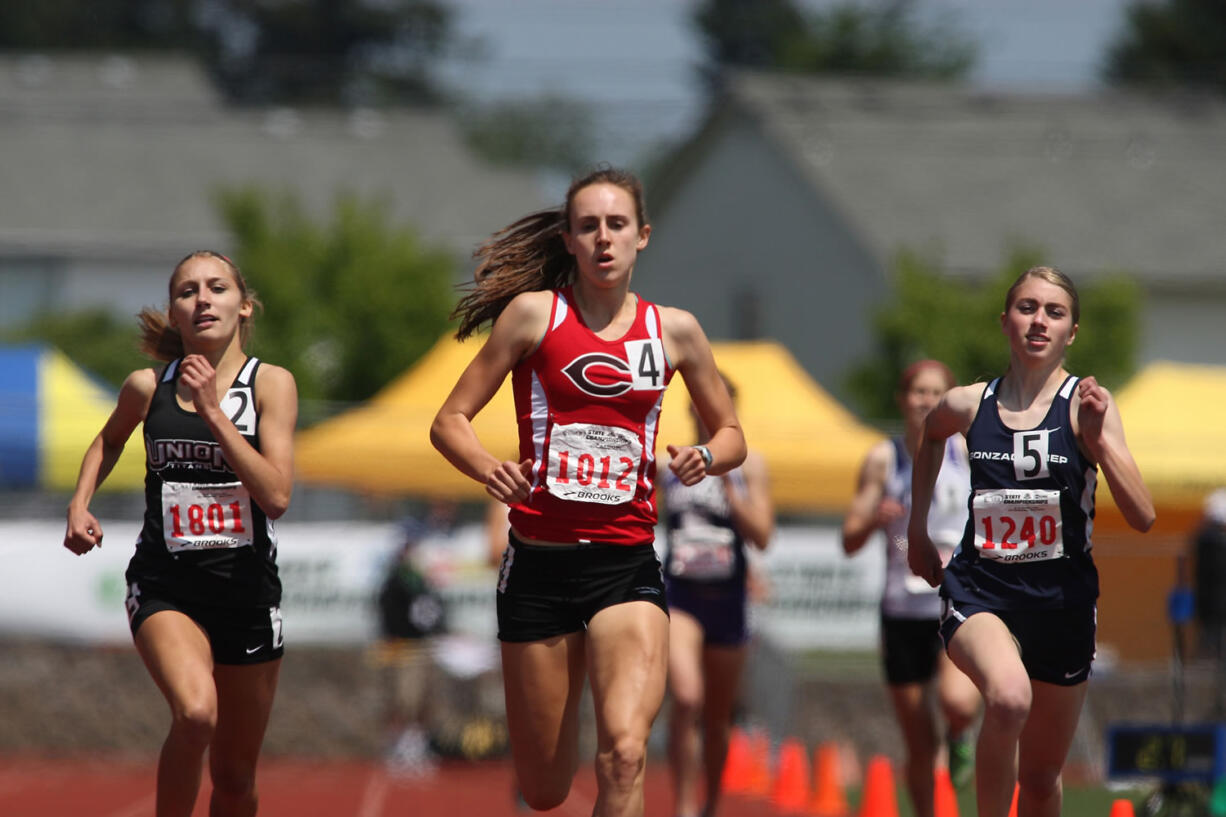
{"x":1106,"y":182}
{"x":120,"y":156}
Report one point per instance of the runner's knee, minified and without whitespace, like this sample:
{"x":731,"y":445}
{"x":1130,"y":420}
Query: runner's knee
{"x":195,"y":720}
{"x":543,"y":794}
{"x":1039,"y":781}
{"x":232,"y":782}
{"x":1008,"y":703}
{"x":623,"y":762}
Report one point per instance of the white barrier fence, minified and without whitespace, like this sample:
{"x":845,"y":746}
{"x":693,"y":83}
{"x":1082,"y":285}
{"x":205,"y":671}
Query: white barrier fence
{"x":817,"y":597}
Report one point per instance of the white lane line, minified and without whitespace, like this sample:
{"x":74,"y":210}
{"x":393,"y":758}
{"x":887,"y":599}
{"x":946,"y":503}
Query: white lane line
{"x":374,"y":796}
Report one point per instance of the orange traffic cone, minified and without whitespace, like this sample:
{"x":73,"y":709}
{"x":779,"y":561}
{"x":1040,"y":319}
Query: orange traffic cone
{"x":879,"y":799}
{"x":735,"y":779}
{"x":828,"y":797}
{"x":791,"y":790}
{"x":945,"y":800}
{"x":1013,"y":806}
{"x":759,"y":765}
{"x":1122,"y":808}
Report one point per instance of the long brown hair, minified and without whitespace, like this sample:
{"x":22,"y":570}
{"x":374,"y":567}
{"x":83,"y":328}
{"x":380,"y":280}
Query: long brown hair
{"x":161,"y":341}
{"x":530,"y":255}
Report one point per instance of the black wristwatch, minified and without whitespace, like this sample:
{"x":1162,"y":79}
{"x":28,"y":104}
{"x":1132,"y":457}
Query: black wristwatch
{"x":705,"y":453}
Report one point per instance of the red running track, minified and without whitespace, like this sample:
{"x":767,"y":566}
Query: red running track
{"x":89,"y":787}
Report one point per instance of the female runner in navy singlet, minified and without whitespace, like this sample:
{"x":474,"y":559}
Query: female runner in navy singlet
{"x":1019,"y":594}
{"x":580,"y":592}
{"x":203,"y":591}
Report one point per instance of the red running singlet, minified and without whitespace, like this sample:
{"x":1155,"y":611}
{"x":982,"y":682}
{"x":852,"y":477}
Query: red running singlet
{"x":588,"y":411}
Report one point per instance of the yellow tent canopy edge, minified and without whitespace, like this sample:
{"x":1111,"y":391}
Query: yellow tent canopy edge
{"x":812,"y":445}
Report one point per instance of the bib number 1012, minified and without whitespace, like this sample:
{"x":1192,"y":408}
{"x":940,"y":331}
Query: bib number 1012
{"x":588,"y":468}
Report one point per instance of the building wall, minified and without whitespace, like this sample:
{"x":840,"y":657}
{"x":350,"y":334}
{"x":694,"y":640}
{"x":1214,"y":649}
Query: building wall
{"x":1184,"y":326}
{"x":753,"y":251}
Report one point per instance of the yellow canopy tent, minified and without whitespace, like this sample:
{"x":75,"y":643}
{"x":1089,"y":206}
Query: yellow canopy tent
{"x":812,"y":445}
{"x":50,"y":412}
{"x":1173,"y":421}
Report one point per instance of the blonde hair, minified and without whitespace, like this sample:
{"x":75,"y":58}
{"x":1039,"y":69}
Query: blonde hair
{"x":1052,"y":276}
{"x":530,"y":255}
{"x":161,"y":341}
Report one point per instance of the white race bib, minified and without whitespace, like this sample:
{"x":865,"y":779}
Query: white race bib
{"x":702,"y":551}
{"x":593,"y":463}
{"x":646,"y":359}
{"x":1015,"y":525}
{"x":206,"y":516}
{"x":239,"y":406}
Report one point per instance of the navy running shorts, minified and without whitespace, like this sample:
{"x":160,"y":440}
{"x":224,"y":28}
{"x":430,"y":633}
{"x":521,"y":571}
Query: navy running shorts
{"x":718,"y":607}
{"x":237,"y":635}
{"x":550,"y":590}
{"x":910,"y":648}
{"x":1057,"y":646}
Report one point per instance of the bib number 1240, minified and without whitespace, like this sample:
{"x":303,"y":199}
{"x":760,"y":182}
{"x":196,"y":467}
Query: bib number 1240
{"x":1012,"y":535}
{"x":1018,"y":525}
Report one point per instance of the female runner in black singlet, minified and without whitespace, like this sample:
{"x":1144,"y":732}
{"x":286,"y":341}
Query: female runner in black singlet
{"x":203,"y":591}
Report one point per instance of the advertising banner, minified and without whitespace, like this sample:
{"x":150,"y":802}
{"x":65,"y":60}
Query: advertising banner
{"x":807,"y":594}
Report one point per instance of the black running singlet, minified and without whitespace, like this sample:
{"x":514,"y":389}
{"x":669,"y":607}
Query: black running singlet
{"x":204,"y":538}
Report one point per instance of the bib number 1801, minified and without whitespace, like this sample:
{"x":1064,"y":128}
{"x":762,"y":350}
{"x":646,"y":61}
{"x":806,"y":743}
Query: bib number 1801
{"x":206,"y":517}
{"x":211,"y":519}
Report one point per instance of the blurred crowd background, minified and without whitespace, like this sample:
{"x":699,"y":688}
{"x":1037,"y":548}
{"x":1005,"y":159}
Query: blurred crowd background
{"x":836,"y":188}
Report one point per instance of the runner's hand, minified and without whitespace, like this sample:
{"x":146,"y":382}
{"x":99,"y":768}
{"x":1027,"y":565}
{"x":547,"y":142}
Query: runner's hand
{"x":687,"y":464}
{"x":924,"y":559}
{"x":1092,"y":409}
{"x":508,"y":483}
{"x":198,"y":374}
{"x":84,"y":532}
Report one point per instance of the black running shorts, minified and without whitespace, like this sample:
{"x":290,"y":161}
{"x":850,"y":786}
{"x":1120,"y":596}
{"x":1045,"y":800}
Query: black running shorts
{"x":238,"y":635}
{"x":550,"y":590}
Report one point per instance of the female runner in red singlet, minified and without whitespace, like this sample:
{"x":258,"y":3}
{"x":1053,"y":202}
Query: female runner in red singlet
{"x":580,"y":592}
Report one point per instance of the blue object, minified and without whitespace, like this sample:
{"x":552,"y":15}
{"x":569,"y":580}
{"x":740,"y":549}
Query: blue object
{"x":19,"y":415}
{"x":1181,"y":605}
{"x":1175,"y":754}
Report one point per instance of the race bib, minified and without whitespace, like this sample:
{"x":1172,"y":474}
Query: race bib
{"x":239,"y":406}
{"x":646,"y":359}
{"x":1018,"y":525}
{"x":206,"y":517}
{"x":701,"y":551}
{"x":593,"y":463}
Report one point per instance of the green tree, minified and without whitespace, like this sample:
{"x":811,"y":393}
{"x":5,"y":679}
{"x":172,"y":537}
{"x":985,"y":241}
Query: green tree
{"x":551,"y":131}
{"x":98,"y":24}
{"x":348,"y":305}
{"x":286,"y":51}
{"x":848,"y":38}
{"x":95,"y":339}
{"x":1172,"y":43}
{"x":934,"y":315}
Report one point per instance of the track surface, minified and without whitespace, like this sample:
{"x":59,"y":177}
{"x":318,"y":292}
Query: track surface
{"x":84,"y":787}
